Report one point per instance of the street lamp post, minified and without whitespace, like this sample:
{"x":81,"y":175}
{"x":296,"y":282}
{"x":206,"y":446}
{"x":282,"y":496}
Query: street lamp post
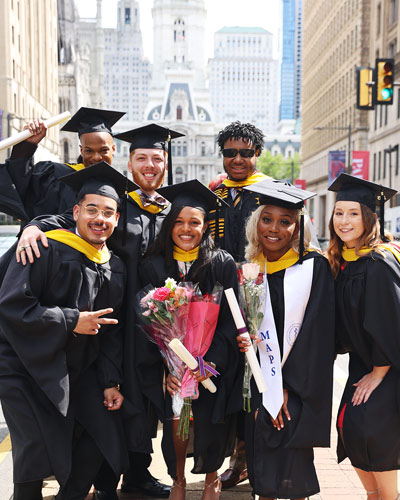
{"x":349,"y":131}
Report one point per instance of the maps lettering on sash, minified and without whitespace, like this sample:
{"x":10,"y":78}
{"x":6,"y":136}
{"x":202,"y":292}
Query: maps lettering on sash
{"x":264,"y":336}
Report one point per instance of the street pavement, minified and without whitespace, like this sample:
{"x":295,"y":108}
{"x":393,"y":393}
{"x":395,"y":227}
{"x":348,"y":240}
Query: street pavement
{"x":337,"y":481}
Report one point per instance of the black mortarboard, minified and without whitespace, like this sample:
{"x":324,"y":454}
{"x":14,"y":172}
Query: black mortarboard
{"x":87,"y":120}
{"x":192,"y":194}
{"x":370,"y":194}
{"x":350,"y":188}
{"x":283,"y":194}
{"x":100,"y":178}
{"x":151,"y":136}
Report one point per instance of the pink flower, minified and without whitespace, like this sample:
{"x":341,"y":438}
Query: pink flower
{"x":146,"y":298}
{"x":147,"y":313}
{"x":161,"y":293}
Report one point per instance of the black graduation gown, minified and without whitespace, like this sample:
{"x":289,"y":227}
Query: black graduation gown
{"x":368,"y":312}
{"x":142,"y":227}
{"x":50,"y":377}
{"x":214,"y":414}
{"x":35,"y":186}
{"x":280,"y":463}
{"x":232,"y":221}
{"x":10,"y":201}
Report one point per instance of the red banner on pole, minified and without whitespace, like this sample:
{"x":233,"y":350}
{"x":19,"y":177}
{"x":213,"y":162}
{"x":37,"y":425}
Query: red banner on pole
{"x":360,"y":164}
{"x":300,"y":183}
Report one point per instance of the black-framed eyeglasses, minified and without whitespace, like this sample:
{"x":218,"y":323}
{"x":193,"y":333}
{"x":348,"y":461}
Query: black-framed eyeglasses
{"x":244,"y":153}
{"x":93,"y":212}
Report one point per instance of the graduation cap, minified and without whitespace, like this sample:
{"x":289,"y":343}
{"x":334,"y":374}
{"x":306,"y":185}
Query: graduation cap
{"x":100,"y":178}
{"x":87,"y":120}
{"x":283,"y":194}
{"x":370,"y":194}
{"x":192,"y":194}
{"x":151,"y":136}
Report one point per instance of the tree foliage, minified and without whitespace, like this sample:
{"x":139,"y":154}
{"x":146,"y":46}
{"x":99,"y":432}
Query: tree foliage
{"x":278,"y":167}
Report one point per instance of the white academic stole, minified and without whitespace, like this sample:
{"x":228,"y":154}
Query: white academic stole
{"x":297,"y":288}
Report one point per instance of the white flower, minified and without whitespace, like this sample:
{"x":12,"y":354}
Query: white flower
{"x":250,"y":271}
{"x":170,"y":283}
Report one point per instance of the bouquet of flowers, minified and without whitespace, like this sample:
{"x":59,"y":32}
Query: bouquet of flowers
{"x":178,"y":311}
{"x":164,"y":313}
{"x":251,"y":300}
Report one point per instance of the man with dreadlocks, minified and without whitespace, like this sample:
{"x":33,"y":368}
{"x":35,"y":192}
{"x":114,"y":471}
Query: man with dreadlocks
{"x":240,"y":145}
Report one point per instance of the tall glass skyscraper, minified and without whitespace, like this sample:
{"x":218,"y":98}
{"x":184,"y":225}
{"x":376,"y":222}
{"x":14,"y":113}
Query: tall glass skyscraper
{"x":291,"y":59}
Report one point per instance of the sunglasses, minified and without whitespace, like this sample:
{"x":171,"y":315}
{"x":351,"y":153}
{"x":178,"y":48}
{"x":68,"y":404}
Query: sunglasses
{"x":232,"y":152}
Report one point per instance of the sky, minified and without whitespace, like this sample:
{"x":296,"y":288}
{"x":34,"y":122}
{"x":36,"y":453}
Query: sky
{"x":261,"y":13}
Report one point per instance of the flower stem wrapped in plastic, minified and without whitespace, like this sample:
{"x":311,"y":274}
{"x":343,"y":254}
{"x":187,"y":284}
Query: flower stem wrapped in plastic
{"x":251,"y":300}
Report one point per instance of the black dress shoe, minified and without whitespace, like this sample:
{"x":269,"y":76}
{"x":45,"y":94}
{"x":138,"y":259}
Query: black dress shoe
{"x":105,"y":495}
{"x":151,"y":487}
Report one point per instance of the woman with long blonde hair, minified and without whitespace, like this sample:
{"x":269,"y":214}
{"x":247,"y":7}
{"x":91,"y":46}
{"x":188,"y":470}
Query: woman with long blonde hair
{"x":367,"y":276}
{"x":296,"y":348}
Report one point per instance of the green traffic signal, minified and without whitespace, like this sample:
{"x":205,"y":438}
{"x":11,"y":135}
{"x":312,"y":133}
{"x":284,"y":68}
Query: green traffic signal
{"x":386,"y":94}
{"x":384,"y":78}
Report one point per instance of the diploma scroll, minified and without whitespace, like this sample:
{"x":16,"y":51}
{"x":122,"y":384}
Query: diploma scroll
{"x":241,"y":326}
{"x":183,"y":354}
{"x":25,"y":134}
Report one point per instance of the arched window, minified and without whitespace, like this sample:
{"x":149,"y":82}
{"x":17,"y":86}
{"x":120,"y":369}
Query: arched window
{"x":179,"y":112}
{"x":178,"y":177}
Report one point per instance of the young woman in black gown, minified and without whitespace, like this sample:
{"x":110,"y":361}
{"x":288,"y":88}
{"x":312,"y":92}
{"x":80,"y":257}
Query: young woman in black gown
{"x":368,"y":327}
{"x":183,"y":251}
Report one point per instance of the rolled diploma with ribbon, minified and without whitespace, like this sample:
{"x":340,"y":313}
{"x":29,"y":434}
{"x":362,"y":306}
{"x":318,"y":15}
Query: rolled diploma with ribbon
{"x":183,"y":354}
{"x":25,"y":134}
{"x":241,"y":327}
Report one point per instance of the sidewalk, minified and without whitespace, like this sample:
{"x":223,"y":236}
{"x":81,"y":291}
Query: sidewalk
{"x":338,"y":482}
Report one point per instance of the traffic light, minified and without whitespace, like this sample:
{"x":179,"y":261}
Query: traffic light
{"x":364,"y":88}
{"x":384,"y":77}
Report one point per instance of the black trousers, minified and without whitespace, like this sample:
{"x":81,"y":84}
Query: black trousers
{"x":86,"y":462}
{"x":28,"y":491}
{"x":138,"y":472}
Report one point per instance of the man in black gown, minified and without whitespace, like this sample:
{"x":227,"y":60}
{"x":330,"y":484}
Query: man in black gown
{"x":240,"y":145}
{"x":60,"y":359}
{"x":145,"y":211}
{"x":37,"y":183}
